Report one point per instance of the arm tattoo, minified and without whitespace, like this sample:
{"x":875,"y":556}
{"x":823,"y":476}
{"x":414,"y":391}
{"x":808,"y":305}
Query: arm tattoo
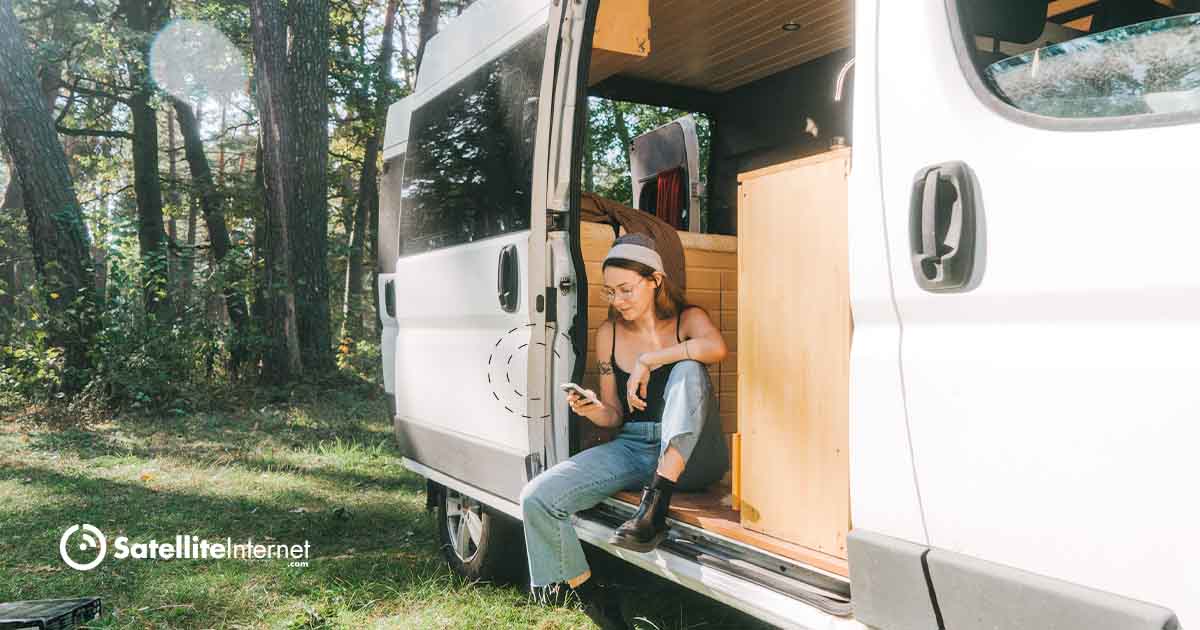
{"x":606,"y":367}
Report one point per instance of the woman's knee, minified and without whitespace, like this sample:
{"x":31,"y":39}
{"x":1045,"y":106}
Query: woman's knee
{"x":535,"y":497}
{"x":688,"y":370}
{"x":554,"y":491}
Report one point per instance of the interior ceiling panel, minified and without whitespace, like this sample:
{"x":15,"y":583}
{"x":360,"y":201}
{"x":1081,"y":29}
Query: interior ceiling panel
{"x":717,"y":45}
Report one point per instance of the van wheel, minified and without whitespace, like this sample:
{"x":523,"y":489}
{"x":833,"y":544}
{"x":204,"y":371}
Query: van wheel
{"x":479,"y":543}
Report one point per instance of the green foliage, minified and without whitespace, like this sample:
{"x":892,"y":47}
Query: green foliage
{"x":361,"y":358}
{"x":147,"y":360}
{"x":32,"y":368}
{"x":138,"y":361}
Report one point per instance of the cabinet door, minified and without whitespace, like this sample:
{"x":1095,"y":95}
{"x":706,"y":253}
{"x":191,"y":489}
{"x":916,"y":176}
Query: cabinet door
{"x":793,"y":352}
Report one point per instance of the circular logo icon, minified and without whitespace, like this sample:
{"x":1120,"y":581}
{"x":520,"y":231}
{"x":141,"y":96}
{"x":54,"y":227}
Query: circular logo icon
{"x":90,"y":538}
{"x":507,"y":366}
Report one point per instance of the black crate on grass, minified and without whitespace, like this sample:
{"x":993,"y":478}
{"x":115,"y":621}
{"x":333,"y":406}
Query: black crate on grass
{"x":48,"y":614}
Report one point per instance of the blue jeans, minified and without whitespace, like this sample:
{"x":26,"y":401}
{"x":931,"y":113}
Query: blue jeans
{"x":691,"y":423}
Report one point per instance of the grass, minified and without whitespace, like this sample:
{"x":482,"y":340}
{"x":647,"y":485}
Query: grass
{"x":323,"y":469}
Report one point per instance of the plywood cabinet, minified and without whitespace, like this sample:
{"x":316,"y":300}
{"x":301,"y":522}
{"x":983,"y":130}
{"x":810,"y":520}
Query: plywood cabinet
{"x":621,"y":37}
{"x":793,"y":334}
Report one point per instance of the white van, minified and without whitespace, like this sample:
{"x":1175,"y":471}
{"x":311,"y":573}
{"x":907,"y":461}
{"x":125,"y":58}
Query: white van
{"x":948,"y":242}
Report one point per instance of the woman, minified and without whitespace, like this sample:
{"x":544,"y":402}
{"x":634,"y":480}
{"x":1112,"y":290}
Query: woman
{"x":651,"y":352}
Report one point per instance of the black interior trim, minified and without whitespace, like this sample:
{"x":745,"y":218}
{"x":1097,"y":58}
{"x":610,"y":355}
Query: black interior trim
{"x":619,"y":88}
{"x":579,"y":327}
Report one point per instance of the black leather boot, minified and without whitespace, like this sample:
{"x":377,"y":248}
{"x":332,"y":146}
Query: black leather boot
{"x":648,"y":527}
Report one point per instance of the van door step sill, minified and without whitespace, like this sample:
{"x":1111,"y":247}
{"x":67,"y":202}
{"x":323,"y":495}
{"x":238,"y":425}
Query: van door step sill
{"x":830,"y":594}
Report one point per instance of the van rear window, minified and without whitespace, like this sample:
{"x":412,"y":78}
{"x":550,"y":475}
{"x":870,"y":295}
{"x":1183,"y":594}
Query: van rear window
{"x":1083,"y":59}
{"x":469,"y":168}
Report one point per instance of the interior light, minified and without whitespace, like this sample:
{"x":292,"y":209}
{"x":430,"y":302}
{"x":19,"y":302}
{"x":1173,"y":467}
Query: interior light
{"x":791,"y":26}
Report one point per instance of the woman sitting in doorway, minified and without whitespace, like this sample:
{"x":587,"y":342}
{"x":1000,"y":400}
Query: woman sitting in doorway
{"x":666,"y":408}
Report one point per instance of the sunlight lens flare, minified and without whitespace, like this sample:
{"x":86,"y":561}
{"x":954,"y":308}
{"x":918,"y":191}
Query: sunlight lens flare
{"x":192,"y":60}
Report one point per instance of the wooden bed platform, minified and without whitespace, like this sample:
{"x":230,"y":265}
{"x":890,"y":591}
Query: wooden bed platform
{"x":706,"y":511}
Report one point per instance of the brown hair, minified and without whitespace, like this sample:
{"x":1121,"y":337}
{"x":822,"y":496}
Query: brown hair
{"x":669,"y":300}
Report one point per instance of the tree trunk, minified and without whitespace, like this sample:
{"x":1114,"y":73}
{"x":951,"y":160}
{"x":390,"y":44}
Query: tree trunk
{"x":218,"y":233}
{"x":308,"y":108}
{"x":180,"y":258}
{"x":281,"y":361}
{"x":622,"y":129}
{"x":404,"y":50}
{"x":147,"y":16}
{"x":258,"y":262}
{"x":8,"y":263}
{"x":368,"y":190}
{"x":57,"y":233}
{"x":221,"y":144}
{"x":427,"y":25}
{"x":352,"y":289}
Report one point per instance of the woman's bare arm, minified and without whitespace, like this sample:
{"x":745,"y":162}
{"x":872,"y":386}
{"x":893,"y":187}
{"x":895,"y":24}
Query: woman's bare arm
{"x":703,"y":342}
{"x":612,"y":411}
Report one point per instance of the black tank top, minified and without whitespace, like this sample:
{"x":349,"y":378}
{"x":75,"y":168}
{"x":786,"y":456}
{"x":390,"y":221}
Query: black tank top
{"x":656,"y":389}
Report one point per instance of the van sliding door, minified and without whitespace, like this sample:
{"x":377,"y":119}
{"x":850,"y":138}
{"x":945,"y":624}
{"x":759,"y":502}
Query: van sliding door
{"x":466,"y":282}
{"x":1039,"y":179}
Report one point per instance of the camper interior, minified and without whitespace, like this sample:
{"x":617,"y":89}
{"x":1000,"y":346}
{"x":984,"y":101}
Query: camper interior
{"x":763,"y":222}
{"x":763,"y":227}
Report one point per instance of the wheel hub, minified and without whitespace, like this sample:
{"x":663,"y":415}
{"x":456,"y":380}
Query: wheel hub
{"x":464,"y":523}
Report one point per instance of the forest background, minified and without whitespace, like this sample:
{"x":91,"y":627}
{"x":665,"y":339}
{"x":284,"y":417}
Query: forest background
{"x":190,"y":204}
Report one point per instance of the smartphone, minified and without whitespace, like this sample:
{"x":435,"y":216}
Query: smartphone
{"x":588,"y":394}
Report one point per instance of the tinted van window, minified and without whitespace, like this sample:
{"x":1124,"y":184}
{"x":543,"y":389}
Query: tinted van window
{"x":469,"y":166}
{"x":1094,"y":59}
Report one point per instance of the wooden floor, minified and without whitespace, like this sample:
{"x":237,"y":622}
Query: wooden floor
{"x":707,"y":511}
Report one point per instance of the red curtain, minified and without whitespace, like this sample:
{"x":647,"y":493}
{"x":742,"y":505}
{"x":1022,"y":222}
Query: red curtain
{"x":669,"y":206}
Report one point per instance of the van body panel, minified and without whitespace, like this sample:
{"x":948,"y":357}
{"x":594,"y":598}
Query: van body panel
{"x":460,"y":457}
{"x":387,"y":342}
{"x":883,"y":494}
{"x":484,"y":30}
{"x":977,"y":595}
{"x":469,"y":279}
{"x":563,"y":358}
{"x":888,"y":578}
{"x":1052,"y":408}
{"x":395,"y":135}
{"x":510,"y":508}
{"x":459,"y":365}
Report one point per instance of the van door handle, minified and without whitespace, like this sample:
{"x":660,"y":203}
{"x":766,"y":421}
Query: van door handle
{"x":508,"y":279}
{"x":946,"y":228}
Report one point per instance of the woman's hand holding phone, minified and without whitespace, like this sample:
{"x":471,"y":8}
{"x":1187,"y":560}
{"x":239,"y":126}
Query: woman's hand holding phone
{"x":589,"y":408}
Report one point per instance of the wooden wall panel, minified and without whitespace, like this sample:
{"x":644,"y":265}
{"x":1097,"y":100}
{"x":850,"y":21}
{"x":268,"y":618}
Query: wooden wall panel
{"x":793,"y":352}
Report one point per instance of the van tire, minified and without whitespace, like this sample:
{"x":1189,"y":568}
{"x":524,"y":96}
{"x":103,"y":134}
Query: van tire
{"x":495,"y":542}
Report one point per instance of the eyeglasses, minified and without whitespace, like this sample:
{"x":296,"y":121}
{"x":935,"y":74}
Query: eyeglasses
{"x":624,"y":292}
